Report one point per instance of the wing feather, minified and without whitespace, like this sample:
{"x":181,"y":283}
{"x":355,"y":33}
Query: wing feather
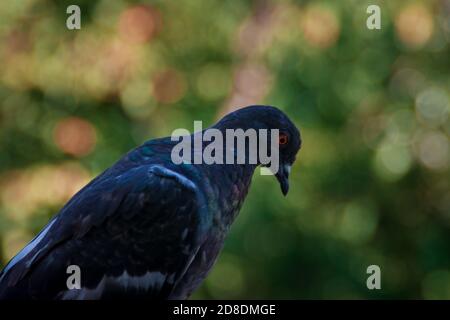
{"x":136,"y":231}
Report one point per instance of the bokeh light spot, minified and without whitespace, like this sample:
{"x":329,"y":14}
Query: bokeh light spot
{"x":400,"y":127}
{"x":392,"y":161}
{"x":213,"y":82}
{"x":169,"y":86}
{"x":433,"y":149}
{"x":75,"y":136}
{"x":137,"y":99}
{"x":414,"y":25}
{"x":138,"y":24}
{"x":251,"y":83}
{"x":358,"y":222}
{"x":24,"y":191}
{"x":320,"y":26}
{"x":432,"y":106}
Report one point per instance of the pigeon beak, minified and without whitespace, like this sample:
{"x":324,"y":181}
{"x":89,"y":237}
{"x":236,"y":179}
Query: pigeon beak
{"x":283,"y":178}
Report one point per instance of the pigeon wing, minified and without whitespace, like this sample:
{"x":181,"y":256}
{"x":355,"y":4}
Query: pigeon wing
{"x":135,"y":232}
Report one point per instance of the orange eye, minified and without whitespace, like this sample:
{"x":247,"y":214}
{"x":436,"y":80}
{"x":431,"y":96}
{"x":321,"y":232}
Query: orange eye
{"x":283,"y":139}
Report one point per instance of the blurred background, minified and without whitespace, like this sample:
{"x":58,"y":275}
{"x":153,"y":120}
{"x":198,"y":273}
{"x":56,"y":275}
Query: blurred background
{"x":371,"y":185}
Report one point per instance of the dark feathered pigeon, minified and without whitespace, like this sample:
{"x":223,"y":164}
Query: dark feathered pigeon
{"x":146,"y":227}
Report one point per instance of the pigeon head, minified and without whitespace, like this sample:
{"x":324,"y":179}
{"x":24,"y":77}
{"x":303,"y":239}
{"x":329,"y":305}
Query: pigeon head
{"x":268,"y":117}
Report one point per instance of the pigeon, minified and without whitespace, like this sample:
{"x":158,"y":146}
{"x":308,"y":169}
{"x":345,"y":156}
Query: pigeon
{"x":145,"y":228}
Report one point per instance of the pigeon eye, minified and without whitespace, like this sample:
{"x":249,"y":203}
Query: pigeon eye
{"x":283,"y":139}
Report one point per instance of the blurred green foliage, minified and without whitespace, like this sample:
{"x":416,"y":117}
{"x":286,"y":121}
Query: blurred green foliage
{"x":371,"y":185}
